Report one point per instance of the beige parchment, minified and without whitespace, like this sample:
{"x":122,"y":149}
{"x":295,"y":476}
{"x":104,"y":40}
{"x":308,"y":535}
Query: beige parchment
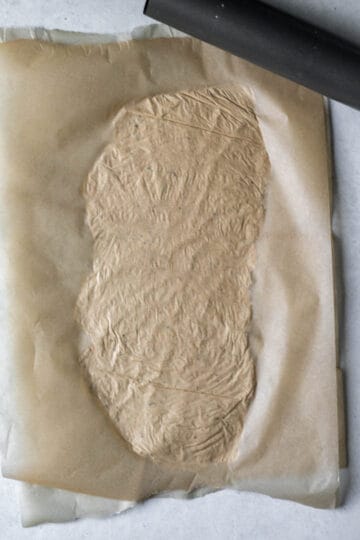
{"x":58,"y":104}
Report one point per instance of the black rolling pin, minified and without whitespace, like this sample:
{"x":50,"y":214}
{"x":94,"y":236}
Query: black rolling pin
{"x":271,"y":39}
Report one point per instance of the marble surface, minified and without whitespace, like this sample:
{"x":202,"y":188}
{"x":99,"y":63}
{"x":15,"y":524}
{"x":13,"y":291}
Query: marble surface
{"x":228,"y":514}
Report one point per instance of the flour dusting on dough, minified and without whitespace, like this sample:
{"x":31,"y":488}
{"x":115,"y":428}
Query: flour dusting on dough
{"x":175,"y":205}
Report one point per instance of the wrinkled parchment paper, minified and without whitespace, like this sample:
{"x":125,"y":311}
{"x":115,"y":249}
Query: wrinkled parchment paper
{"x":57,"y":104}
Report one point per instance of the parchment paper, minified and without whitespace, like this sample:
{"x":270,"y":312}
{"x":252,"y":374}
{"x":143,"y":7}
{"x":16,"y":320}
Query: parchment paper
{"x":58,"y":103}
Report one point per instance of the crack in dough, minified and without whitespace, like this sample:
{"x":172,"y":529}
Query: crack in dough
{"x":175,"y":205}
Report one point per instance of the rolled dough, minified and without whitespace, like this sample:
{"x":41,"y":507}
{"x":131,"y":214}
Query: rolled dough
{"x":175,"y":205}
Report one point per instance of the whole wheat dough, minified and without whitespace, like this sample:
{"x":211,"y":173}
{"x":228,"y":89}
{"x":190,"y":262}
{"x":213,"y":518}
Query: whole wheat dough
{"x":175,"y":204}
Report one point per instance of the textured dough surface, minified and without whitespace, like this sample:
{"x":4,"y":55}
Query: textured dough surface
{"x":175,"y":205}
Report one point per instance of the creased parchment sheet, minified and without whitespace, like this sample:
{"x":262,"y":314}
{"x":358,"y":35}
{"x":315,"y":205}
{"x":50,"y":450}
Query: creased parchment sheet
{"x":58,"y":103}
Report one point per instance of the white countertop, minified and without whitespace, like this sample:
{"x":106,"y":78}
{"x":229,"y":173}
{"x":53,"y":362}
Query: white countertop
{"x":230,"y":515}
